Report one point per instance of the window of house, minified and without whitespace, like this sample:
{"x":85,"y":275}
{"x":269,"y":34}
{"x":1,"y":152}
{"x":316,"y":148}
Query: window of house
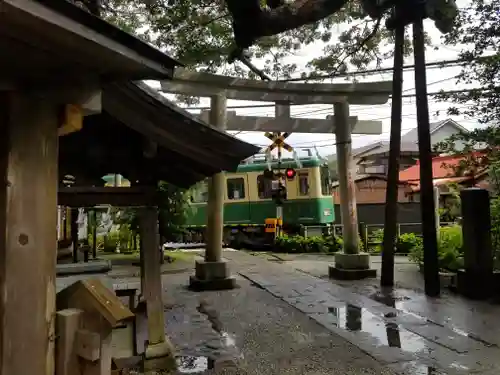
{"x":264,"y":187}
{"x":325,"y":181}
{"x":303,"y":183}
{"x":235,"y":188}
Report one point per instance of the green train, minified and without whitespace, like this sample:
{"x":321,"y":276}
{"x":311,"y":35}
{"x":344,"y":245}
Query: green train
{"x":248,"y":201}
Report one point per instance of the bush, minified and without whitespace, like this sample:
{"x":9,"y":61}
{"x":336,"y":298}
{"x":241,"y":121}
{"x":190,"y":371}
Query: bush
{"x":405,"y":244}
{"x":450,"y":249}
{"x":316,"y":244}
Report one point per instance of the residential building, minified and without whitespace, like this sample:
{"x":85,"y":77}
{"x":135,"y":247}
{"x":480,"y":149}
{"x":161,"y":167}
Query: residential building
{"x":374,"y":158}
{"x":371,"y":188}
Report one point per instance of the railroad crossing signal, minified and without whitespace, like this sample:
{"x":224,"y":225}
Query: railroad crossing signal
{"x":278,"y":139}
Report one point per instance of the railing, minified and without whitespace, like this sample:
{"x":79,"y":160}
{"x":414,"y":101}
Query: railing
{"x":366,"y":230}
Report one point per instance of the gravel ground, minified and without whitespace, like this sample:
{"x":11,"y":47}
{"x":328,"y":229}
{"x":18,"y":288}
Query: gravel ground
{"x":265,"y":335}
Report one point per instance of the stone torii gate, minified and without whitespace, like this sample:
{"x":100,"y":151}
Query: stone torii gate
{"x":351,"y":264}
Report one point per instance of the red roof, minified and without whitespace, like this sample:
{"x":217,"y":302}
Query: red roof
{"x":442,"y":167}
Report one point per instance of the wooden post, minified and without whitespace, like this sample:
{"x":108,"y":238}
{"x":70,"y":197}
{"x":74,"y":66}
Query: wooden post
{"x":68,"y":323}
{"x":158,"y":346}
{"x":347,"y":188}
{"x":28,"y":236}
{"x":74,"y":233}
{"x":431,"y":261}
{"x":94,"y":233}
{"x":391,"y":197}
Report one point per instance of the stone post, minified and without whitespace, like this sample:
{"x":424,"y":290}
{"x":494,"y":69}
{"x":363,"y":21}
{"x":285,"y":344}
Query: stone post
{"x":350,"y":264}
{"x":213,"y":272}
{"x":159,"y":350}
{"x":475,"y":280}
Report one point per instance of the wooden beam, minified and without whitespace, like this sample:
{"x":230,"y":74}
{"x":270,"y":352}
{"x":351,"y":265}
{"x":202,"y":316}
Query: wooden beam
{"x":28,"y":239}
{"x":114,"y":196}
{"x":295,"y":125}
{"x":68,"y":31}
{"x":204,"y":84}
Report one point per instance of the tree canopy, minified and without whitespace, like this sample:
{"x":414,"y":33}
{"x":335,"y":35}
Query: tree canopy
{"x":477,"y":29}
{"x":200,"y":34}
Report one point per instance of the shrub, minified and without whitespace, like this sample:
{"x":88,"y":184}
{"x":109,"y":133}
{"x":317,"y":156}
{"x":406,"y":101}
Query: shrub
{"x":450,"y":249}
{"x":405,"y":244}
{"x":315,"y":244}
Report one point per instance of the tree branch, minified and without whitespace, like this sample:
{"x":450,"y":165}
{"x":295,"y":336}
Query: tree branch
{"x":251,"y":22}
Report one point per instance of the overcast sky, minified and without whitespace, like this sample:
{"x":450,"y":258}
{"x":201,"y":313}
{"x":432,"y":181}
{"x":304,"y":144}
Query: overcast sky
{"x":437,"y":79}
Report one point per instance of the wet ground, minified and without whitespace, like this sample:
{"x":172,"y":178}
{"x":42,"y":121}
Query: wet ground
{"x":287,"y":318}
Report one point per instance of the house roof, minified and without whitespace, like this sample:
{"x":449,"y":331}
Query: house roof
{"x":196,"y":149}
{"x":409,"y":141}
{"x":412,"y":135}
{"x":443,"y":172}
{"x":442,"y":167}
{"x":48,"y":43}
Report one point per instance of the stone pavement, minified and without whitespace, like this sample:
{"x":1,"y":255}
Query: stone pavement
{"x":403,"y":341}
{"x":249,"y":331}
{"x":282,"y":320}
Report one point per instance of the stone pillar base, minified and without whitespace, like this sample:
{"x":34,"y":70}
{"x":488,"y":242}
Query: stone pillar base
{"x":351,"y":267}
{"x":211,"y":276}
{"x":159,"y":357}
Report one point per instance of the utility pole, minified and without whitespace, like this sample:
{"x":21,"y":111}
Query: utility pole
{"x":391,"y":197}
{"x":431,"y":265}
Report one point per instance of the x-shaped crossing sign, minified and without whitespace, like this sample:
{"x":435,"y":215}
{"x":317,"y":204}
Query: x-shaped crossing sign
{"x":278,"y":141}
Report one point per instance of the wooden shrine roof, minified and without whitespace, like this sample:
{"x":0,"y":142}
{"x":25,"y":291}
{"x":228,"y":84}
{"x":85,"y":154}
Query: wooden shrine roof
{"x":133,"y":114}
{"x":53,"y":42}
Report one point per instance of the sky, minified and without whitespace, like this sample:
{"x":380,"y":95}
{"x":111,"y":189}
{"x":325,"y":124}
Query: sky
{"x":437,"y":79}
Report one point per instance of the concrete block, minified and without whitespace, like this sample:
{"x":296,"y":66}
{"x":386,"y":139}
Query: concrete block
{"x":199,"y":285}
{"x":353,"y":274}
{"x":211,"y":270}
{"x":159,"y":357}
{"x":360,"y":261}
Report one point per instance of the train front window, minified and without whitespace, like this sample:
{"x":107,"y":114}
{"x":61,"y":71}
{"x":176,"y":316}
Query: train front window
{"x":236,"y":188}
{"x":264,"y":187}
{"x":303,"y":183}
{"x":325,"y":181}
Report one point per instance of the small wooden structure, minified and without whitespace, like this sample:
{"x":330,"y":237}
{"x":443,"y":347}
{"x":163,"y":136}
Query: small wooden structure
{"x":56,"y":59}
{"x":87,"y":313}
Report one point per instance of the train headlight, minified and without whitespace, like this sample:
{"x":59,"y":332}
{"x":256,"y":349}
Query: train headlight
{"x":327,"y":212}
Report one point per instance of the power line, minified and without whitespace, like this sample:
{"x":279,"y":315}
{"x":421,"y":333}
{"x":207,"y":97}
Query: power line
{"x":433,"y":65}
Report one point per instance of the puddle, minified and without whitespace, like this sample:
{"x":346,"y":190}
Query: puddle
{"x":193,"y":365}
{"x":356,"y":319}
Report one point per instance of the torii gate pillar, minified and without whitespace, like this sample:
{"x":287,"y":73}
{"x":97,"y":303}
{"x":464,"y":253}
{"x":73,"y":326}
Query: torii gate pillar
{"x":213,"y":273}
{"x":351,"y":264}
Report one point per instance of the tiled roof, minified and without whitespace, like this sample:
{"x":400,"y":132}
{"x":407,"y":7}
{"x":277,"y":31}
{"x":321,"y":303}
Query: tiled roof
{"x":442,"y":167}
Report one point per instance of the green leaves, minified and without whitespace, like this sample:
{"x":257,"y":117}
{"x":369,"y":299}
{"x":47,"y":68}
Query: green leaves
{"x":199,"y":34}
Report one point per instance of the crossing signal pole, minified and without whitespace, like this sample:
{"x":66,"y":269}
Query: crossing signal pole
{"x":279,"y":191}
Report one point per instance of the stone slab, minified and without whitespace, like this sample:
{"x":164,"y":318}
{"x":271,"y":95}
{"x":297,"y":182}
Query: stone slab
{"x":98,"y":266}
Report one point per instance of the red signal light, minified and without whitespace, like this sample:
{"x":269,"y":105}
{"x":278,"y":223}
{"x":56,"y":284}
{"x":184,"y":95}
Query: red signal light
{"x":290,"y":173}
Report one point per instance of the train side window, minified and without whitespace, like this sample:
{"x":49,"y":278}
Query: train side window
{"x":264,"y":187}
{"x":236,"y":188}
{"x":303,"y":183}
